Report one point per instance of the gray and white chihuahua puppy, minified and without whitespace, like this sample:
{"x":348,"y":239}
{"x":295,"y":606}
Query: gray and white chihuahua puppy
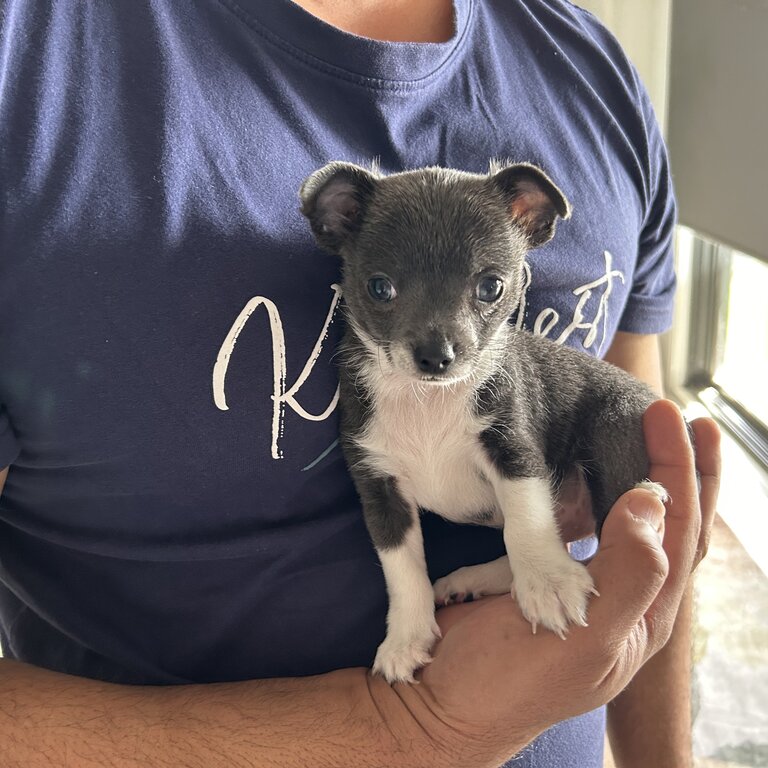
{"x":447,"y":407}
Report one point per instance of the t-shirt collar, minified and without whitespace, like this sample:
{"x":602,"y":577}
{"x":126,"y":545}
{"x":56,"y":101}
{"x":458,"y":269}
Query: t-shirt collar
{"x":325,"y":46}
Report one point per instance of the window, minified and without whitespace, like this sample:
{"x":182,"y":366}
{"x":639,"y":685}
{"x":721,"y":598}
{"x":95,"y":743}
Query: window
{"x":726,"y":362}
{"x":742,"y":356}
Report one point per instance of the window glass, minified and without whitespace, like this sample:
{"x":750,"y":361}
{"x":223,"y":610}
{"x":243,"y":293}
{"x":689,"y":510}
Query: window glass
{"x":742,"y":369}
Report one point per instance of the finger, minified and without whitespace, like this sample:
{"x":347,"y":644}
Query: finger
{"x":666,"y":437}
{"x":630,"y":567}
{"x":672,"y":464}
{"x":708,"y":464}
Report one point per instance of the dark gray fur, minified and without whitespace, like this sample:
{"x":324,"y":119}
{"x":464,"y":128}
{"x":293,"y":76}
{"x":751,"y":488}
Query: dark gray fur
{"x":559,"y":407}
{"x":433,"y":232}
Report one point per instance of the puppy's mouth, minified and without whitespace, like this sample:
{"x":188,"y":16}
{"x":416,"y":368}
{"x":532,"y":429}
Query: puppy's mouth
{"x":442,"y":381}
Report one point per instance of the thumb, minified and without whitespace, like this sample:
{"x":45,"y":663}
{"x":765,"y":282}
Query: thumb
{"x":630,"y":566}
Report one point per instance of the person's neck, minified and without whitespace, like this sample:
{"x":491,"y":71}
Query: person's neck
{"x":417,"y":21}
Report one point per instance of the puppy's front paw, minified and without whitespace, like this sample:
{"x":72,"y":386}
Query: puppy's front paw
{"x":401,"y":654}
{"x":555,"y":594}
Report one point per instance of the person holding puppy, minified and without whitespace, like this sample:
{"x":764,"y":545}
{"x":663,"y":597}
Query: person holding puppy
{"x":185,"y":577}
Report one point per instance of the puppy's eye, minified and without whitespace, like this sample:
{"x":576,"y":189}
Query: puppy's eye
{"x":381,"y":289}
{"x":489,"y":288}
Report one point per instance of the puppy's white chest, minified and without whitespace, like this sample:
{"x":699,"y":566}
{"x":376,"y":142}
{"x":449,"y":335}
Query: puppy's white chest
{"x":428,"y":439}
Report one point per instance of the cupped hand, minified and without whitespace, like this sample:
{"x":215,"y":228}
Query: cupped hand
{"x":494,"y":686}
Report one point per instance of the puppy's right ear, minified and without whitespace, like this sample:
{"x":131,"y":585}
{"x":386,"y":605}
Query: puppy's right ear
{"x":534,"y":201}
{"x":334,"y":199}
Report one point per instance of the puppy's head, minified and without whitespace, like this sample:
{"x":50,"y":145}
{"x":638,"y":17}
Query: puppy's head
{"x":433,"y":259}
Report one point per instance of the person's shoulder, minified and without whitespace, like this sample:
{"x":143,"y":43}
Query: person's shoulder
{"x":577,"y":15}
{"x":596,"y":52}
{"x":599,"y":35}
{"x":581,"y":35}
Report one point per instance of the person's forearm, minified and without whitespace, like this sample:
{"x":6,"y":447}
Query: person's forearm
{"x":650,"y":722}
{"x":342,"y":719}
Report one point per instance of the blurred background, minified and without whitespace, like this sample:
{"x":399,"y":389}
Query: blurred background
{"x":705,"y":64}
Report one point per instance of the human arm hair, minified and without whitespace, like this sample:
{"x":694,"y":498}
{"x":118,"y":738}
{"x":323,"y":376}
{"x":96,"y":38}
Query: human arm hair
{"x":344,"y":718}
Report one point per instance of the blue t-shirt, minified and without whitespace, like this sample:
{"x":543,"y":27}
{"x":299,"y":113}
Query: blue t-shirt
{"x":177,"y":508}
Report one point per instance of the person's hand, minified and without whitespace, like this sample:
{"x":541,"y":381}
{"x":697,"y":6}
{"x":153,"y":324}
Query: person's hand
{"x":493,"y":685}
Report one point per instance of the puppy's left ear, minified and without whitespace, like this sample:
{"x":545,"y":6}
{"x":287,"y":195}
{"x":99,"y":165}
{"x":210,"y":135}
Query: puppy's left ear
{"x":534,"y":201}
{"x":335,"y":199}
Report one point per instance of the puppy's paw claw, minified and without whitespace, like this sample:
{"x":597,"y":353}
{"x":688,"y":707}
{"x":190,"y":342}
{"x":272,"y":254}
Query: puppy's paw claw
{"x":450,"y":589}
{"x":555,"y":598}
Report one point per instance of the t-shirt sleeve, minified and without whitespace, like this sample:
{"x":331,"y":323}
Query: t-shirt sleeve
{"x":650,"y":304}
{"x":9,"y":446}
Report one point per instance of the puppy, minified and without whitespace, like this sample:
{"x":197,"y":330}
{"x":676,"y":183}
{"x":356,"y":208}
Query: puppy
{"x":446,"y":407}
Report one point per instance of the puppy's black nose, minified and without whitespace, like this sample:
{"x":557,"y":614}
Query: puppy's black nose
{"x":434,"y":357}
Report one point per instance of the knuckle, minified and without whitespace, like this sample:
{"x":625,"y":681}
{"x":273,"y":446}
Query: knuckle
{"x":615,"y":661}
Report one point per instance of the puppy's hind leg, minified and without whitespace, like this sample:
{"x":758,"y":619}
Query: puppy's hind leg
{"x":474,"y":582}
{"x":655,"y":488}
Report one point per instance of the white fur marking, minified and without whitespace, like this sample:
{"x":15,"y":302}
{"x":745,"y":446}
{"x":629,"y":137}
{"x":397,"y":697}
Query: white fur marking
{"x":411,"y":626}
{"x":550,"y":587}
{"x":428,"y":438}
